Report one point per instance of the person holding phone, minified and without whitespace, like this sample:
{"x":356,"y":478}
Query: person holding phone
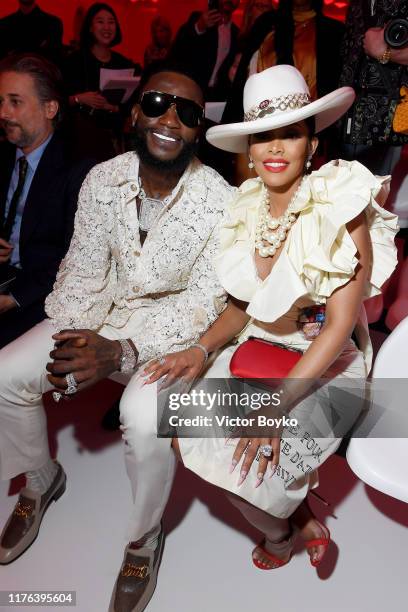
{"x":376,"y":66}
{"x":206,"y":45}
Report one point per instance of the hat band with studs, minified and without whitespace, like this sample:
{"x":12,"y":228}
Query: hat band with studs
{"x":282,"y":103}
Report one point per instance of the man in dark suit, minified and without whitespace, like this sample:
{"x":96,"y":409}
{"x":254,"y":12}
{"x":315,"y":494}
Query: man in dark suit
{"x":39,"y":187}
{"x":206,"y":45}
{"x":31,"y":30}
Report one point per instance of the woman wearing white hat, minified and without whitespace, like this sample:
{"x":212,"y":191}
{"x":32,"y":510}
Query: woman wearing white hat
{"x":297,"y":247}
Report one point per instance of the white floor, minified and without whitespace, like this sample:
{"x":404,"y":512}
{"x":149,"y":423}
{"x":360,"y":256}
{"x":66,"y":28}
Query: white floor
{"x":206,"y":564}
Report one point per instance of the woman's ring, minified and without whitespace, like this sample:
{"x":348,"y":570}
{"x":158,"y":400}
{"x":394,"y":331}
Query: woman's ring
{"x":162,"y":360}
{"x":266,"y":450}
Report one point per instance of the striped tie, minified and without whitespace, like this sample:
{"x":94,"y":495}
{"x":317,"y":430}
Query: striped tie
{"x":11,"y":217}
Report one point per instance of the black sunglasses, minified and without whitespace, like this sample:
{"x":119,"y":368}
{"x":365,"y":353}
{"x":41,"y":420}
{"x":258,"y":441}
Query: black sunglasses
{"x":157,"y":103}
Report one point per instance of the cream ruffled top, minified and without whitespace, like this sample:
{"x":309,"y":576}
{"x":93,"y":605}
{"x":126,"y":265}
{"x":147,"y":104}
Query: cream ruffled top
{"x":319,"y":254}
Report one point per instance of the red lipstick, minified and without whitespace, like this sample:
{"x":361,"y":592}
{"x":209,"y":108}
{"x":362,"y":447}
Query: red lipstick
{"x":278,"y":160}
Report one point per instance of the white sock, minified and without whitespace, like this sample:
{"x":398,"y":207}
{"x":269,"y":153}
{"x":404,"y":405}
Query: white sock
{"x":40,"y":480}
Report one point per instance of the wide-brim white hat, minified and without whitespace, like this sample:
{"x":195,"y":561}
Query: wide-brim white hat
{"x":276,"y":97}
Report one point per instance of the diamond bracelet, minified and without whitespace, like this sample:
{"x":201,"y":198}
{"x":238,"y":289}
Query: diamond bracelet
{"x":202,"y":348}
{"x":128,"y":359}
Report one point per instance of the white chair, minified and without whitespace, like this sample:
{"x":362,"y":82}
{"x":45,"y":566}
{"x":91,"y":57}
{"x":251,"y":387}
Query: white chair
{"x":381,"y":462}
{"x":398,"y":198}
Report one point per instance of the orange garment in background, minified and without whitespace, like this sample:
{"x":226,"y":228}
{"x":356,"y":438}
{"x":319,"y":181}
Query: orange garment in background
{"x":304,"y":57}
{"x":304,"y":49}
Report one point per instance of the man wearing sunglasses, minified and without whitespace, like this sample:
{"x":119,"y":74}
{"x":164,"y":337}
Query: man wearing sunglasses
{"x":137,"y":282}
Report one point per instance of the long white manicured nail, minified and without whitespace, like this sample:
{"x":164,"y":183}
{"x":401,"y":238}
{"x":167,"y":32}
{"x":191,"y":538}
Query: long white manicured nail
{"x":242,"y":477}
{"x":260,"y":480}
{"x":233,"y":466}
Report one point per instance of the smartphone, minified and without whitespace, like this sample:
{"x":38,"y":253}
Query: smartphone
{"x":213,"y":5}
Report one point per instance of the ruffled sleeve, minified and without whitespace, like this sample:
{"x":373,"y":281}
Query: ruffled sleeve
{"x":319,"y":254}
{"x":234,"y":263}
{"x":322,"y":250}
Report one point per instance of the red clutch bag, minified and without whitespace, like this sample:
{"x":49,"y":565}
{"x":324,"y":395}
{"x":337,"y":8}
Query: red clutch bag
{"x":257,"y":358}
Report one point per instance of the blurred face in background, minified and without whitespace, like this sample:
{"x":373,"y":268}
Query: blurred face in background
{"x":103,"y":28}
{"x":302,"y":5}
{"x":161,"y":33}
{"x":227,"y":7}
{"x":26,"y":3}
{"x":259,"y":7}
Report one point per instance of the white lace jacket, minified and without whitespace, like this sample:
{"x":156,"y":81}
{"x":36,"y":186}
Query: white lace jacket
{"x":107,"y":275}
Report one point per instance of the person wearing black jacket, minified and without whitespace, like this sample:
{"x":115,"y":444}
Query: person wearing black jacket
{"x":206,"y":46}
{"x":97,"y":118}
{"x":300,"y":35}
{"x":39,"y":186}
{"x":377,"y":71}
{"x":329,"y":36}
{"x":31,"y":30}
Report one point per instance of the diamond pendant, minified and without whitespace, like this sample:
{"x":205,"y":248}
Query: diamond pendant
{"x":150,"y":209}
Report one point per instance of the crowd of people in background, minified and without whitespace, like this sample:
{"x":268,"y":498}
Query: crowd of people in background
{"x":220,"y":56}
{"x":57,"y":122}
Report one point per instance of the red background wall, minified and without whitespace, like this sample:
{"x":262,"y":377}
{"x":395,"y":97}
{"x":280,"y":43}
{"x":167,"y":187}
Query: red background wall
{"x":135,"y":16}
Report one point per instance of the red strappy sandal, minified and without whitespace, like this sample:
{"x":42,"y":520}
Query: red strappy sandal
{"x":278,"y":562}
{"x":323,"y":541}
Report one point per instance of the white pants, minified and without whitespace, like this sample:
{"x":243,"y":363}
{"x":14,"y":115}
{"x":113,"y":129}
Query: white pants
{"x":150,"y":461}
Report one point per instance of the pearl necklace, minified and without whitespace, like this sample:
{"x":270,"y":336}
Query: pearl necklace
{"x":273,"y":230}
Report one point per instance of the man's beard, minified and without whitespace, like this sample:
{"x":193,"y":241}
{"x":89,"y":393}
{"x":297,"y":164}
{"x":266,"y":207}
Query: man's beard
{"x":176,"y":165}
{"x":21,"y":139}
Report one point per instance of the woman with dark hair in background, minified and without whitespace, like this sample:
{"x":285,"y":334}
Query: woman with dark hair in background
{"x":308,"y":40}
{"x":98,"y":119}
{"x":299,"y":35}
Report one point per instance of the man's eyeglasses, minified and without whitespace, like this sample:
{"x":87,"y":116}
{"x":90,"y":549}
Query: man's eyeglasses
{"x":157,"y":103}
